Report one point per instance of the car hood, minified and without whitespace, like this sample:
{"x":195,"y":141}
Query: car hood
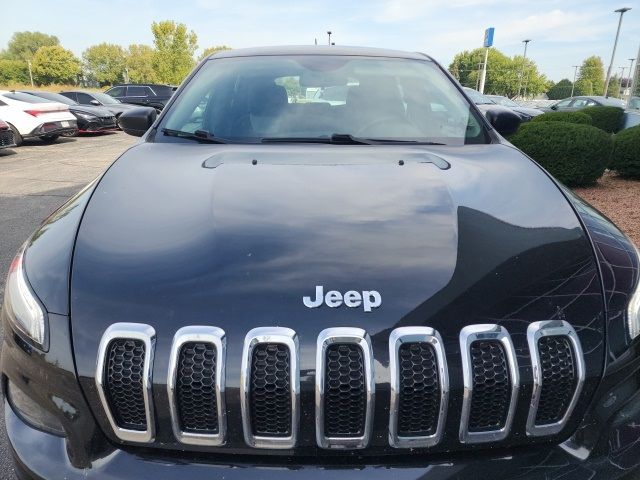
{"x":532,"y":112}
{"x":97,"y":111}
{"x":182,"y":234}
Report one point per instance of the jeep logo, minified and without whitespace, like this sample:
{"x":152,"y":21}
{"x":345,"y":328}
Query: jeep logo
{"x":352,"y":299}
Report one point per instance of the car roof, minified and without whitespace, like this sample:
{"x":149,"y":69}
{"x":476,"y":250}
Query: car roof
{"x":142,"y":85}
{"x":78,"y":91}
{"x":318,"y":50}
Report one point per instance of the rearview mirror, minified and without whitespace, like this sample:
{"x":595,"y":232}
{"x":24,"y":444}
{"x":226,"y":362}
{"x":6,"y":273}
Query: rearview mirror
{"x":137,"y":120}
{"x":94,"y":102}
{"x":504,"y":121}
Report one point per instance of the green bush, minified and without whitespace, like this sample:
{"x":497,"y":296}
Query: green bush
{"x":570,"y":117}
{"x":574,"y":154}
{"x":608,"y":119}
{"x":626,"y":153}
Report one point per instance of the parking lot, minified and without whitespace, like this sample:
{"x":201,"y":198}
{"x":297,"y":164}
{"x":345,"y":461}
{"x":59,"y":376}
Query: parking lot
{"x":34,"y":180}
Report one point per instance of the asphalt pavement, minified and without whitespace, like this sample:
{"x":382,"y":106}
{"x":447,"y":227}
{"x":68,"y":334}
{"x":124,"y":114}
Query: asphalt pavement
{"x":35,"y":180}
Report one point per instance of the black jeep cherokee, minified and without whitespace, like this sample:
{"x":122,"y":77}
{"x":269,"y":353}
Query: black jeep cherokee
{"x":273,"y":286}
{"x":148,"y":94}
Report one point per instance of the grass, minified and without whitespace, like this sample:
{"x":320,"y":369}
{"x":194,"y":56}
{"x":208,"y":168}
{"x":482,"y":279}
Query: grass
{"x":55,"y":88}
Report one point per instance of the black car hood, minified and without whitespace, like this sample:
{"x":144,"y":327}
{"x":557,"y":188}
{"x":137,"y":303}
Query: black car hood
{"x":182,"y":234}
{"x":532,"y":112}
{"x":90,"y":109}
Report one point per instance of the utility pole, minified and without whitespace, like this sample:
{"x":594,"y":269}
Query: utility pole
{"x":30,"y":74}
{"x":575,"y":75}
{"x":621,"y":11}
{"x":329,"y":34}
{"x":634,"y":76}
{"x":630,"y":79}
{"x":524,"y":65}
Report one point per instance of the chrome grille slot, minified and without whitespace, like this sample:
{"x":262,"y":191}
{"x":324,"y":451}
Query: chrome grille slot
{"x":419,"y":387}
{"x":558,"y":375}
{"x":270,"y":388}
{"x":345,"y":389}
{"x":123,"y":379}
{"x":195,"y":385}
{"x":491,"y":383}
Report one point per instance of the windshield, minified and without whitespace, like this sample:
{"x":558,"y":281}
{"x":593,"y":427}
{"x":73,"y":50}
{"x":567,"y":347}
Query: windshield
{"x":253,"y":99}
{"x":105,"y":99}
{"x":504,"y":101}
{"x":476,"y":97}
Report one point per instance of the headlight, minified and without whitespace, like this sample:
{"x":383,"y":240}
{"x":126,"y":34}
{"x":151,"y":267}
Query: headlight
{"x":22,"y":306}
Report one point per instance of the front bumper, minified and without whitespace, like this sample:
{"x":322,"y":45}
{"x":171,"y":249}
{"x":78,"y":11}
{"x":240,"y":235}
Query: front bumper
{"x":40,"y":455}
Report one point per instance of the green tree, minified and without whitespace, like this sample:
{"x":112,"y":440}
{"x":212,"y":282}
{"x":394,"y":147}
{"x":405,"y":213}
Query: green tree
{"x":13,"y":71}
{"x":504,"y":74}
{"x":212,"y":50}
{"x":174,"y":49}
{"x":24,"y":45}
{"x":560,"y":90}
{"x":55,"y":64}
{"x":139,"y":64}
{"x":614,"y":87}
{"x":591,"y":77}
{"x":105,"y":63}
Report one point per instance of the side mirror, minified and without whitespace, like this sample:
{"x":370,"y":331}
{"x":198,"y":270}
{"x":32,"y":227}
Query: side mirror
{"x":504,"y":121}
{"x":95,"y":102}
{"x":554,"y":107}
{"x":137,"y":120}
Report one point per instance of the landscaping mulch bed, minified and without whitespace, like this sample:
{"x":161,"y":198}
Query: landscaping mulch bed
{"x":618,"y":199}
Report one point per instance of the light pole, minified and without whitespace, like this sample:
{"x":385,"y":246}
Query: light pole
{"x":30,"y":74}
{"x":575,"y":75}
{"x":630,"y":79}
{"x":633,"y":77}
{"x":524,"y":65}
{"x":329,"y":34}
{"x":621,"y":11}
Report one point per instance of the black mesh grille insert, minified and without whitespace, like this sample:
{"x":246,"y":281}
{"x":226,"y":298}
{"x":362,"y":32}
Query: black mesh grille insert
{"x":558,"y":378}
{"x":196,"y":388}
{"x":270,"y":397}
{"x":345,"y":391}
{"x":419,"y":390}
{"x":491,"y":386}
{"x":124,"y":370}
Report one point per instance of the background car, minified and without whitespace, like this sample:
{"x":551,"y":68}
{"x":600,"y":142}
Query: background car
{"x":30,"y":117}
{"x":97,"y":99}
{"x":573,"y":104}
{"x":634,"y":103}
{"x":486,"y":105}
{"x":516,"y":107}
{"x":89,"y":117}
{"x":6,"y":135}
{"x":148,"y":94}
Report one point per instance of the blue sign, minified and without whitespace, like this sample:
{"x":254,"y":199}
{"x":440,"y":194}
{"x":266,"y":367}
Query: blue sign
{"x":488,"y":37}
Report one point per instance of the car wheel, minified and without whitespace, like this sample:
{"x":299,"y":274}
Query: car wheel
{"x":49,"y":138}
{"x":118,"y":121}
{"x":70,"y":134}
{"x":17,"y":138}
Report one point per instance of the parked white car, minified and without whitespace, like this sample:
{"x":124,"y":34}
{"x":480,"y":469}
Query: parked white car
{"x":30,"y":116}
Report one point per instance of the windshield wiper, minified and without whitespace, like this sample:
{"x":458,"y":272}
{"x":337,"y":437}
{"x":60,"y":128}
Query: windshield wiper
{"x":335,"y":139}
{"x":199,"y":135}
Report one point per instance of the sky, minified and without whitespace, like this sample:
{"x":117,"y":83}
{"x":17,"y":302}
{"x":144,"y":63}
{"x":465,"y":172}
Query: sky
{"x":563,"y":32}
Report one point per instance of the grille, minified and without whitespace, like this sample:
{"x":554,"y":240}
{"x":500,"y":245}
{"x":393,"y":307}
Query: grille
{"x":196,"y":388}
{"x":6,"y":138}
{"x":345,"y":391}
{"x":124,"y":385}
{"x":419,"y":390}
{"x":491,"y":386}
{"x":558,"y":378}
{"x":270,"y":397}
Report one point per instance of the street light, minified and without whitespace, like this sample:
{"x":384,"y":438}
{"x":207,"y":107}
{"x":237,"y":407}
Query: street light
{"x":621,"y":11}
{"x":524,"y":64}
{"x":329,"y":34}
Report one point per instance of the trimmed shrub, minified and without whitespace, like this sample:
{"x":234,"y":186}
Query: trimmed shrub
{"x":574,"y":154}
{"x":570,"y":117}
{"x":608,"y":119}
{"x":626,"y":153}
